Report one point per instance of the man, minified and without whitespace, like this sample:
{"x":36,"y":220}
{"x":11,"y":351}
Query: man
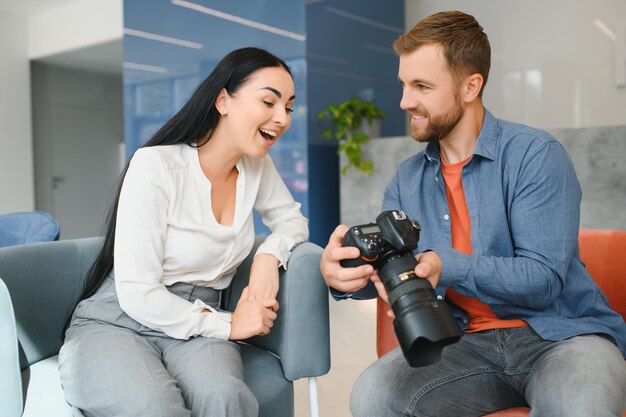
{"x":498,"y":204}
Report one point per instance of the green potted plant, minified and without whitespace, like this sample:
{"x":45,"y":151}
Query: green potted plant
{"x":347,"y":118}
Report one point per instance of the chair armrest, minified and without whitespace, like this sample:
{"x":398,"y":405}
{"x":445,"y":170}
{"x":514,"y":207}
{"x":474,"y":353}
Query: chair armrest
{"x":300,"y":335}
{"x":11,"y":381}
{"x":50,"y":276}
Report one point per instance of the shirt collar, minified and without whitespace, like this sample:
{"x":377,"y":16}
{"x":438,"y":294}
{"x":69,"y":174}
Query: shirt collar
{"x":485,"y":146}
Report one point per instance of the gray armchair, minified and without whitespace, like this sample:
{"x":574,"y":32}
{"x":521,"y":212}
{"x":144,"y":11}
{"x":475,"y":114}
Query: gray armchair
{"x":40,"y":282}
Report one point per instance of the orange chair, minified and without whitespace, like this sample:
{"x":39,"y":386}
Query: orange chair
{"x":600,"y":250}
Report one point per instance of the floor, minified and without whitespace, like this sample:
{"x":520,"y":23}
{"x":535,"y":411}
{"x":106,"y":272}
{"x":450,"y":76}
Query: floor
{"x":353,"y":348}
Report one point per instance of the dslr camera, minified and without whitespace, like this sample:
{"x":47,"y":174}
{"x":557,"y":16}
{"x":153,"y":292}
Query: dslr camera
{"x":424,"y":325}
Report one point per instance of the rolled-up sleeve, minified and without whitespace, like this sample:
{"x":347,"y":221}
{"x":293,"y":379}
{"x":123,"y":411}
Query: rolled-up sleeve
{"x":280,"y":213}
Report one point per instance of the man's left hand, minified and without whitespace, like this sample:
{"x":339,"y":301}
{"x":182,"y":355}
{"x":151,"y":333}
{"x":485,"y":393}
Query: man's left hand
{"x":428,"y":267}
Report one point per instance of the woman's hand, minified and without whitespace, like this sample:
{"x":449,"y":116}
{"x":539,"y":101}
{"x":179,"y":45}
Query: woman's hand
{"x":263,"y":283}
{"x":252,"y":317}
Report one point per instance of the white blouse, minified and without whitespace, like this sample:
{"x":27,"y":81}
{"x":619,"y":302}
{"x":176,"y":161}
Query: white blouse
{"x":166,"y":233}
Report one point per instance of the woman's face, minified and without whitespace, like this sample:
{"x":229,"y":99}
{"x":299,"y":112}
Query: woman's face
{"x":259,"y":112}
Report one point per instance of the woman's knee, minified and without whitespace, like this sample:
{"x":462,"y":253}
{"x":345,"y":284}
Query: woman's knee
{"x":157,"y":404}
{"x":126,"y":401}
{"x":232,"y":390}
{"x":227,"y":396}
{"x":109,"y":371}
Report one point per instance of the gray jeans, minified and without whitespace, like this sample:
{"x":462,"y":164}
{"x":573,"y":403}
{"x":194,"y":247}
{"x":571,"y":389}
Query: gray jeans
{"x":110,"y":365}
{"x":487,"y":371}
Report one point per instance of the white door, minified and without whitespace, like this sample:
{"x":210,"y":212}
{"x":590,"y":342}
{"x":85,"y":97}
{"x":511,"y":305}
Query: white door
{"x":77,"y":132}
{"x":84,"y":165}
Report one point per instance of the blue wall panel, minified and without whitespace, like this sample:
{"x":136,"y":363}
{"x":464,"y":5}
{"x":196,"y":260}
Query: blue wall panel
{"x":349,"y":54}
{"x":171,"y":46}
{"x":336,"y":49}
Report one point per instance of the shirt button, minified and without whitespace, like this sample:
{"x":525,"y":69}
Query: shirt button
{"x":446,"y":217}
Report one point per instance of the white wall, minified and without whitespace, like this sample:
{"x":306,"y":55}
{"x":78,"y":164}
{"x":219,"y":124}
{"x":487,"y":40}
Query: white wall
{"x":16,"y":158}
{"x":73,"y":26}
{"x":551,"y":65}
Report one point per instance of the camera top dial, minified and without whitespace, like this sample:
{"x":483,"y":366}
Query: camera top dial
{"x":366,"y":238}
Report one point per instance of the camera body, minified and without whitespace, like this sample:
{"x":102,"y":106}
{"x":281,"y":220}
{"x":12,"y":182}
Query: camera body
{"x":392,"y":233}
{"x":423,"y":324}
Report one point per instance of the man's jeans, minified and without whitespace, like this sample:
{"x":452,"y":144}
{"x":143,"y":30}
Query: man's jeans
{"x":487,"y":371}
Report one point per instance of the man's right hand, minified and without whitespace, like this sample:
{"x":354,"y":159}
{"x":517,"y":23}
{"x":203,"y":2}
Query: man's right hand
{"x":336,"y":276}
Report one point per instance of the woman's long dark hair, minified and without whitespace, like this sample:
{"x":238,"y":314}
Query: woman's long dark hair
{"x":193,"y":125}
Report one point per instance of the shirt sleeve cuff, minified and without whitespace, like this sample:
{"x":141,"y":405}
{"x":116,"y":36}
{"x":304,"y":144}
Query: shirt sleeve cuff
{"x":366,"y":293}
{"x":216,"y":323}
{"x":339,"y":295}
{"x":280,"y":248}
{"x":453,"y":268}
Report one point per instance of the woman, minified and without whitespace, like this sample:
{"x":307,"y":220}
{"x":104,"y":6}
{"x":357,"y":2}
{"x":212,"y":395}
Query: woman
{"x":152,"y":341}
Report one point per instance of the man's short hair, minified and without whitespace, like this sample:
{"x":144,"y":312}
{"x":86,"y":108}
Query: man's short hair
{"x":464,"y":42}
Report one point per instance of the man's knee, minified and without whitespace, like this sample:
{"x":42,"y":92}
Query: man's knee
{"x":371,"y":392}
{"x":583,"y":376}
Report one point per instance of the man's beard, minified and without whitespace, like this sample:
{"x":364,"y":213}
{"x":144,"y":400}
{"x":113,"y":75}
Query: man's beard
{"x":440,"y":127}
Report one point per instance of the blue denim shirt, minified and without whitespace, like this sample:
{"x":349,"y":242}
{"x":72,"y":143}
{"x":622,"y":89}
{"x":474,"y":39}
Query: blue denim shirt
{"x":523,"y":198}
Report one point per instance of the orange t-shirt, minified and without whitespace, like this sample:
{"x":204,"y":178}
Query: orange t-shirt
{"x":480,"y":317}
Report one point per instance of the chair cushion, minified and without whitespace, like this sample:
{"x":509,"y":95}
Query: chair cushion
{"x":514,"y":412}
{"x":44,"y":395}
{"x":263,"y":374}
{"x":603,"y":251}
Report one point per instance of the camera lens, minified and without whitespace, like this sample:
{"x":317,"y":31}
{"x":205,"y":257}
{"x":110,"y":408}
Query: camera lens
{"x":423,"y":324}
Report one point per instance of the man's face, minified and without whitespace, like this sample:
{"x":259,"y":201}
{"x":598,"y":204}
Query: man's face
{"x":429,"y":94}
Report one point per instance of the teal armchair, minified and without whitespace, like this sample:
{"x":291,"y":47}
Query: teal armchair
{"x":40,"y":283}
